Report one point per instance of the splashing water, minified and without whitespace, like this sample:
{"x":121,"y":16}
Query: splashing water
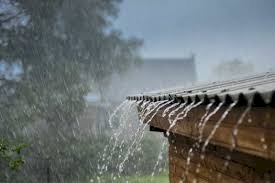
{"x":236,"y":127}
{"x":172,"y":113}
{"x":145,"y":106}
{"x":181,"y":116}
{"x":184,"y":113}
{"x":139,"y":133}
{"x":196,"y":144}
{"x":148,"y":111}
{"x":131,"y":149}
{"x":168,"y":109}
{"x":234,"y":136}
{"x":137,"y":140}
{"x":188,"y":160}
{"x":206,"y":119}
{"x":208,"y":107}
{"x":115,"y":113}
{"x":134,"y":136}
{"x":124,"y":107}
{"x":217,"y":125}
{"x":160,"y":157}
{"x":148,"y":108}
{"x":155,"y":108}
{"x":173,"y":123}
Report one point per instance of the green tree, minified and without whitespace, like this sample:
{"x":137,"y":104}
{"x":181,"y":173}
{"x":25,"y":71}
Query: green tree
{"x":55,"y":50}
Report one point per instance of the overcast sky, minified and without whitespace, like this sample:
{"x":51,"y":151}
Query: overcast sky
{"x":215,"y":30}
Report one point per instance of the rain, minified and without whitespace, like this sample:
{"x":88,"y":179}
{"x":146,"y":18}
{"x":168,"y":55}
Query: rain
{"x":114,"y":91}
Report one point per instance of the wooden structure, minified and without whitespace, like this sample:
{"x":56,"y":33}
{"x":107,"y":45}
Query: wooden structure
{"x":236,"y":117}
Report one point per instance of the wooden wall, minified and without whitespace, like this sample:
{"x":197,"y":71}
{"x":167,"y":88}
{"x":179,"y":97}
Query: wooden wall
{"x":252,"y":160}
{"x":256,"y":134}
{"x":215,"y":166}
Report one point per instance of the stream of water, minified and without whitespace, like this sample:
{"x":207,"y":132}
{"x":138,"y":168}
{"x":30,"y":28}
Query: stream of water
{"x":174,"y":112}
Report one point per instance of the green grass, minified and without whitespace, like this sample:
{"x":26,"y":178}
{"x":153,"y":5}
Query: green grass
{"x":144,"y":179}
{"x":163,"y":178}
{"x":136,"y":179}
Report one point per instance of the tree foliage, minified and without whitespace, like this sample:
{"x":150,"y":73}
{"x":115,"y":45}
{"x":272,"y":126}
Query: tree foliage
{"x":11,"y":154}
{"x":55,"y":50}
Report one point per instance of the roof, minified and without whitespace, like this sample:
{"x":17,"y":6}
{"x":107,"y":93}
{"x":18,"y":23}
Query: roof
{"x":257,"y":90}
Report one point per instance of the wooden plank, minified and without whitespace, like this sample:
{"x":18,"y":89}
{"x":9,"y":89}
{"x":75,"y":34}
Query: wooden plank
{"x":252,"y":161}
{"x":212,"y":167}
{"x":191,"y":178}
{"x":204,"y":174}
{"x":256,"y":135}
{"x":259,"y":117}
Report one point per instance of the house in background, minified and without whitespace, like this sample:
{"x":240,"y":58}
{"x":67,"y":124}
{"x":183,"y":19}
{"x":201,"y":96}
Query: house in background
{"x":153,"y":74}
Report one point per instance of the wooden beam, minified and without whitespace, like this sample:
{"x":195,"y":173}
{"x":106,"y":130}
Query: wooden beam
{"x":256,"y":134}
{"x":215,"y":167}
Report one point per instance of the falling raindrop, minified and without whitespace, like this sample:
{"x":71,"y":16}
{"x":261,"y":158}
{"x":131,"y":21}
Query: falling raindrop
{"x":217,"y":125}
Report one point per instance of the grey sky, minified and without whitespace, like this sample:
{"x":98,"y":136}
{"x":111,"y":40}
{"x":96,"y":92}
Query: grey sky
{"x":215,"y":30}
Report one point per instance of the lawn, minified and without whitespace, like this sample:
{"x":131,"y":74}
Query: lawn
{"x":144,"y":179}
{"x":136,"y":179}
